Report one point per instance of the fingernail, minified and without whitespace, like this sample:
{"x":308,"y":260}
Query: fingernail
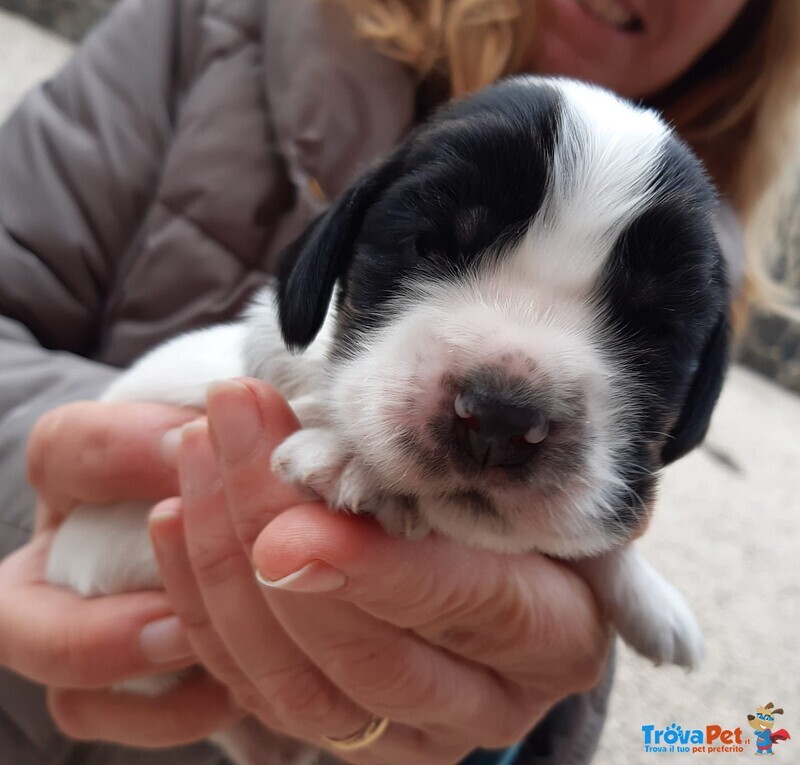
{"x":166,"y":510}
{"x":164,"y":641}
{"x":313,"y":577}
{"x":198,"y":469}
{"x":235,"y":420}
{"x":170,"y":445}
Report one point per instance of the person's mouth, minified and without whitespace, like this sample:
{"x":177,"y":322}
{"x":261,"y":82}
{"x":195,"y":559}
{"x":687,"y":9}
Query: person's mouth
{"x":614,"y":13}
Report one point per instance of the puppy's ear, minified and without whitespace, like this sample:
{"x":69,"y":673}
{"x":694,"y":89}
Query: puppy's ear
{"x":692,"y":423}
{"x":311,"y":265}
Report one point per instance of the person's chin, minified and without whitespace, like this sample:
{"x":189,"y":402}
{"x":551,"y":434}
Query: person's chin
{"x":573,"y":43}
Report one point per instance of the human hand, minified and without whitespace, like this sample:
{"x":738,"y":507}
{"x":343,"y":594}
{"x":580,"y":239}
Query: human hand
{"x":90,"y":452}
{"x":459,"y":648}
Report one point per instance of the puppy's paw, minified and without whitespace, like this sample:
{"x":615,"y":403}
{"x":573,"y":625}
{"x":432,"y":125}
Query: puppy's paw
{"x":104,"y":550}
{"x":400,"y":516}
{"x":660,"y":625}
{"x":648,"y":612}
{"x":315,"y":460}
{"x":312,"y":459}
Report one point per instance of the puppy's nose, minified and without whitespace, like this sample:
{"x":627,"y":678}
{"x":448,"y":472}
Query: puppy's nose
{"x":496,"y":430}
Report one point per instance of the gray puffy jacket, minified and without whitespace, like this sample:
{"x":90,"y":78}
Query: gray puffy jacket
{"x":147,"y":190}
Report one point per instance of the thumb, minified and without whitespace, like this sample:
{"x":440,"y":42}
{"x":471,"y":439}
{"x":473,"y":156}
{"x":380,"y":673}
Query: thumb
{"x":99,"y":452}
{"x":489,"y":607}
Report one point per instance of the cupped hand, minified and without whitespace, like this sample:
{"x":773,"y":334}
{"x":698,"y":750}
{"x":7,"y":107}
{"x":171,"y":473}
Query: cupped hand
{"x":90,"y":452}
{"x":458,"y":648}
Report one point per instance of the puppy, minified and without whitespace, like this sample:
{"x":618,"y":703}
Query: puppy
{"x":501,"y":333}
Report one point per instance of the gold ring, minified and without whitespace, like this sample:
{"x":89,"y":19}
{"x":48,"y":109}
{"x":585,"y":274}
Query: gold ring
{"x":361,"y":739}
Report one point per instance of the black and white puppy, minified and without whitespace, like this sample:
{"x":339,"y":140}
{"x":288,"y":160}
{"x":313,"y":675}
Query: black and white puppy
{"x":508,"y":327}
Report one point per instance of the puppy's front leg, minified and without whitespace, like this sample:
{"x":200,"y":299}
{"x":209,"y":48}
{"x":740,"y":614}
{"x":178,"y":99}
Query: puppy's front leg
{"x":316,"y":459}
{"x":647,"y":611}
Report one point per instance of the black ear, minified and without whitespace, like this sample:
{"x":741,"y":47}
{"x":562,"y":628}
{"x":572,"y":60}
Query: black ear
{"x":311,"y":265}
{"x":692,"y":423}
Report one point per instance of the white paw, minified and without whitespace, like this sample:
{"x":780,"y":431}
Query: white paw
{"x":661,"y":627}
{"x":649,"y":613}
{"x":104,"y":550}
{"x":315,"y":460}
{"x":400,"y":517}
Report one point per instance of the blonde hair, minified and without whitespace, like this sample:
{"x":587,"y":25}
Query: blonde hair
{"x":470,"y":43}
{"x":738,"y":114}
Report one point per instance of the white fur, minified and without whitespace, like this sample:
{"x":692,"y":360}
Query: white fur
{"x":530,"y":315}
{"x":395,"y":383}
{"x":298,"y":377}
{"x":603,"y":167}
{"x":647,"y":611}
{"x":179,"y":371}
{"x":104,"y":551}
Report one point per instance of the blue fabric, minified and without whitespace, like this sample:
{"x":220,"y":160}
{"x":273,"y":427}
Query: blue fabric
{"x":485,"y":757}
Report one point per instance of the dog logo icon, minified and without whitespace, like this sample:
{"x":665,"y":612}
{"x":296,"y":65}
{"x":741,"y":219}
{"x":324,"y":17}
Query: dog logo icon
{"x":762,"y":723}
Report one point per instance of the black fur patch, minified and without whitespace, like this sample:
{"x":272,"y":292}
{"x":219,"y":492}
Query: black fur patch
{"x":471,"y":183}
{"x":664,"y":298}
{"x":462,"y":191}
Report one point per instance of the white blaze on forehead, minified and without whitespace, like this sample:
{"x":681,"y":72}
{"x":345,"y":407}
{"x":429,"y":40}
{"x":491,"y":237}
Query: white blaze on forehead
{"x":605,"y":162}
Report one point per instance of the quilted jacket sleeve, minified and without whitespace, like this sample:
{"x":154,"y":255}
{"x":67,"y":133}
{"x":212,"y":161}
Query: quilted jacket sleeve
{"x":79,"y":160}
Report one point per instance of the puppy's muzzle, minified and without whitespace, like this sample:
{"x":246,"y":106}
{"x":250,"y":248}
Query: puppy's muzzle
{"x":497,"y":425}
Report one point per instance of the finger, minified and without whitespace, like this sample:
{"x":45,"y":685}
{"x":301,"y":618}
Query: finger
{"x":295,"y":689}
{"x":194,"y":710}
{"x":449,"y":594}
{"x":284,"y":692}
{"x":395,"y":673}
{"x":247,"y":420}
{"x":167,"y":535}
{"x":53,"y":636}
{"x":97,"y":452}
